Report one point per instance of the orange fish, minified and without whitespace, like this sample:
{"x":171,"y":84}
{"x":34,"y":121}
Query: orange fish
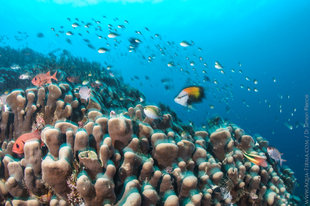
{"x":18,"y":147}
{"x":42,"y":79}
{"x":256,"y":159}
{"x":190,"y":95}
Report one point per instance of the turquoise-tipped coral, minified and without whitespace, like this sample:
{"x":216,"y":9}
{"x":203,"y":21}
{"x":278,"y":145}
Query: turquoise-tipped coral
{"x":97,"y":157}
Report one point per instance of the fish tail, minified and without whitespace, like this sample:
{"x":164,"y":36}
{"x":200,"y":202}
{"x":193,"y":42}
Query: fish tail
{"x":54,"y":76}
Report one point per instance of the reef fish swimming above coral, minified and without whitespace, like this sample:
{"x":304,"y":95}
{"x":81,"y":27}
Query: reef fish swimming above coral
{"x":118,"y":156}
{"x":153,"y":102}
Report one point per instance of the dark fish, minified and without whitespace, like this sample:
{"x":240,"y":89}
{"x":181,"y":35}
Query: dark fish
{"x":206,"y":78}
{"x":90,"y":46}
{"x":69,"y":33}
{"x":40,"y":35}
{"x":68,"y":41}
{"x":165,"y":80}
{"x":167,"y":87}
{"x":134,"y":42}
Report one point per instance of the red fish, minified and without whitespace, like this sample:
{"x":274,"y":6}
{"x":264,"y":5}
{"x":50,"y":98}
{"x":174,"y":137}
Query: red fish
{"x":19,"y":144}
{"x":73,"y":79}
{"x":42,"y":79}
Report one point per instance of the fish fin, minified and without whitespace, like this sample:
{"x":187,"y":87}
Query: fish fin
{"x":54,"y":76}
{"x":48,"y":73}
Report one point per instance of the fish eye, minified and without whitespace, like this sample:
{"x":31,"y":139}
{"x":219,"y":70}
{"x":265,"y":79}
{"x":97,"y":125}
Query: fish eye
{"x":17,"y":145}
{"x":35,"y":78}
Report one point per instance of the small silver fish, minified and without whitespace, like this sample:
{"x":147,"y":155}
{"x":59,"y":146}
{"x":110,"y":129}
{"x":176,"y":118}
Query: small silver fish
{"x":24,"y":76}
{"x":102,"y":50}
{"x":218,"y":65}
{"x":15,"y":67}
{"x":85,"y":82}
{"x":74,"y":25}
{"x":113,"y":35}
{"x":185,"y":44}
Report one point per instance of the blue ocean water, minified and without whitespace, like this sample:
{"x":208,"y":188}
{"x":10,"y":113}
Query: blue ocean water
{"x":267,"y":41}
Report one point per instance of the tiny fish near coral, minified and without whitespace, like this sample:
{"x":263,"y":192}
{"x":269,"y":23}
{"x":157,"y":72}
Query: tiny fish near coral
{"x":152,"y":112}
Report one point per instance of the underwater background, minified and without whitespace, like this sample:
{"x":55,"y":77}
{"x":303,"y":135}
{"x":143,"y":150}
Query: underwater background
{"x":262,"y":46}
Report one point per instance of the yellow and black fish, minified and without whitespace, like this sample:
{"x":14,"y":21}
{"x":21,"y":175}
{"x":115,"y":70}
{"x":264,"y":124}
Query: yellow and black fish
{"x":189,"y":95}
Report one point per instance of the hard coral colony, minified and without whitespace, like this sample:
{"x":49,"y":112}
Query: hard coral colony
{"x":127,"y":158}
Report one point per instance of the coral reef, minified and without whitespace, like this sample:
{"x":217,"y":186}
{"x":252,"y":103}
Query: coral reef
{"x":126,"y":159}
{"x":105,"y":151}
